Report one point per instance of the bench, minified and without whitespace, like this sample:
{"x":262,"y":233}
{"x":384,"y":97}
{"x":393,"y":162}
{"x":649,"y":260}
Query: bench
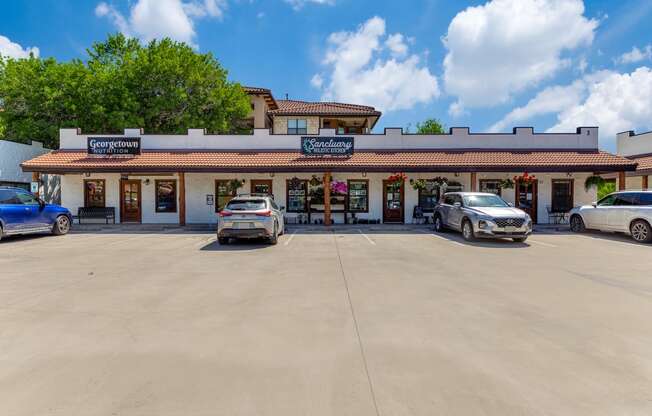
{"x":107,"y":213}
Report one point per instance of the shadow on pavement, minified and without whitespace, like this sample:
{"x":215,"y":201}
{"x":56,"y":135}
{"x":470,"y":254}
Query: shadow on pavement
{"x":617,"y":237}
{"x":238,"y":245}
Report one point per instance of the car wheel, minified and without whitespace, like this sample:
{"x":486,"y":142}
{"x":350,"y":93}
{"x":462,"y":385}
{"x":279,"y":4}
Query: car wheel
{"x":577,"y":224}
{"x":641,"y":231}
{"x":274,"y":238}
{"x":0,"y":232}
{"x":439,"y":224}
{"x":519,"y":239}
{"x":223,"y":241}
{"x":61,"y":225}
{"x":467,"y":231}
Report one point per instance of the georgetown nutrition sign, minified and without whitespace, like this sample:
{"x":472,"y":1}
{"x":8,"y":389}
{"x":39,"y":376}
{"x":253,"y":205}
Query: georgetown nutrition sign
{"x":327,"y":146}
{"x":114,"y":146}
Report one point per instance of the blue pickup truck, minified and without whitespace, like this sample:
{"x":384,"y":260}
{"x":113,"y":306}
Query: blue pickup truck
{"x":23,"y":213}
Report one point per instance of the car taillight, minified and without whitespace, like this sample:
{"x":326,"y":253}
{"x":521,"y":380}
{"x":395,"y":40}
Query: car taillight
{"x":225,"y":213}
{"x":264,"y":214}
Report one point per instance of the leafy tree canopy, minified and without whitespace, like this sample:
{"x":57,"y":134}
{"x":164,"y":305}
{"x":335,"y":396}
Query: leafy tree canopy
{"x":164,"y":86}
{"x":430,"y":126}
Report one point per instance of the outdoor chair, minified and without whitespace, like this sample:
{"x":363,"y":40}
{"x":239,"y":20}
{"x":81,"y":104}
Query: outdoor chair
{"x":555,"y":217}
{"x":417,"y":215}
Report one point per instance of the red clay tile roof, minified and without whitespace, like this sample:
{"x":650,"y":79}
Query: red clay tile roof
{"x":265,"y":92}
{"x":644,"y":162}
{"x":363,"y":160}
{"x":293,"y":107}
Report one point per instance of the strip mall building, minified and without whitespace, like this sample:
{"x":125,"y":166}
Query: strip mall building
{"x":299,"y":151}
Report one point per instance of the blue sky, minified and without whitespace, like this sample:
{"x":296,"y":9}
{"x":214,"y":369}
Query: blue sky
{"x":490,"y":65}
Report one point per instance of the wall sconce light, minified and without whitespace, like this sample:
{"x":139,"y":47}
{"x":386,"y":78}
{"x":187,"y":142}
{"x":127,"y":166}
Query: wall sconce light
{"x":147,"y":182}
{"x":364,"y":174}
{"x":271,"y":175}
{"x":457,"y":174}
{"x":569,"y":174}
{"x":87,"y":174}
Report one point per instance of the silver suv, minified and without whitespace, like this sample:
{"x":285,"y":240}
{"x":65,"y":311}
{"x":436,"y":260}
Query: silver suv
{"x":628,"y":212}
{"x":250,"y":216}
{"x":479,"y":215}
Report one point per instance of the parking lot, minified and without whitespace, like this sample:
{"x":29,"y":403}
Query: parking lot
{"x":351,"y":322}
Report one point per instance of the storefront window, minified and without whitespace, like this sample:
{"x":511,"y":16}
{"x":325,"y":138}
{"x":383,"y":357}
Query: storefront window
{"x":454,"y":186}
{"x":166,"y":196}
{"x":358,"y":196}
{"x":429,"y":196}
{"x":297,"y":190}
{"x":297,"y":126}
{"x":562,"y":195}
{"x":490,"y":186}
{"x":94,"y":193}
{"x":223,"y":194}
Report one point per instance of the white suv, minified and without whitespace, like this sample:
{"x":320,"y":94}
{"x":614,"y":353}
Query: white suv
{"x":250,"y":216}
{"x":628,"y":212}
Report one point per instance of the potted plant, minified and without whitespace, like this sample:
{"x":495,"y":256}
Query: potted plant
{"x":507,"y":184}
{"x":593,"y":181}
{"x":525,"y":178}
{"x":235,"y":184}
{"x":396,"y":180}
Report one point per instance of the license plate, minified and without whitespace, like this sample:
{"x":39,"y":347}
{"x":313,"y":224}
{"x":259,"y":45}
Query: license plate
{"x":510,"y":229}
{"x":242,"y":225}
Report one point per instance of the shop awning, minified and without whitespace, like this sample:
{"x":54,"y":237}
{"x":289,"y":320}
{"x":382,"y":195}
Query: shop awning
{"x":68,"y":161}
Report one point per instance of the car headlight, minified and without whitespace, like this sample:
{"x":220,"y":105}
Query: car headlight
{"x":483,"y":222}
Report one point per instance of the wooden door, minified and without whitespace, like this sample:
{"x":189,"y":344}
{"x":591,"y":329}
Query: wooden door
{"x":130,"y":201}
{"x":261,"y":186}
{"x":393,"y":202}
{"x":526,"y":198}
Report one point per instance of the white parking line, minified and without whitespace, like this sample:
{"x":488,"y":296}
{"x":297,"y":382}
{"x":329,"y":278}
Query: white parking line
{"x":373,"y":243}
{"x":443,"y":238}
{"x":541,"y":243}
{"x":290,"y":239}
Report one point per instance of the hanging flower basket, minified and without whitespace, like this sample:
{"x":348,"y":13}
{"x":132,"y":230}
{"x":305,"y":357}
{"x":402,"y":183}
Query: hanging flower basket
{"x":339,"y":188}
{"x":525,"y":178}
{"x":315,"y":181}
{"x":418,"y":184}
{"x":396,"y":180}
{"x":507,"y":184}
{"x":593,"y":181}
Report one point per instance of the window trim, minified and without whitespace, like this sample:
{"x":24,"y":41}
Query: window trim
{"x":86,"y":204}
{"x":297,"y":131}
{"x":176,"y":204}
{"x":500,"y":189}
{"x":348,"y":195}
{"x":287,"y":196}
{"x":234,"y":192}
{"x":552,"y":192}
{"x":428,"y":210}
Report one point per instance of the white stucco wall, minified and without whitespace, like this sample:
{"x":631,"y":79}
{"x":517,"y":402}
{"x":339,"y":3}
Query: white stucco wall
{"x":198,"y":185}
{"x":12,"y":154}
{"x":392,"y":139}
{"x":630,"y":144}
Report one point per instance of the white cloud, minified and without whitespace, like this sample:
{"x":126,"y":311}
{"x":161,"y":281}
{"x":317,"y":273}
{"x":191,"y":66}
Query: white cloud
{"x":317,"y":81}
{"x":396,"y":45}
{"x":618,"y":102}
{"x":155,"y":19}
{"x":14,"y":50}
{"x":360,"y":72}
{"x":635,"y":55}
{"x":506,"y":46}
{"x":298,"y":4}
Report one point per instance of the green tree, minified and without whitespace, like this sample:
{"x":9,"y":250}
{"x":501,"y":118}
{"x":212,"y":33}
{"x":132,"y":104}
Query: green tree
{"x":164,"y":87}
{"x":430,"y":126}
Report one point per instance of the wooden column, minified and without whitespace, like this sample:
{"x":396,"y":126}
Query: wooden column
{"x":182,"y":198}
{"x":36,"y":177}
{"x":327,"y":198}
{"x":621,"y":181}
{"x":474,"y":182}
{"x":644,"y":183}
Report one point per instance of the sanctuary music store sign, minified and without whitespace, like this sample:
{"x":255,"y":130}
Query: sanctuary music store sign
{"x":114,"y":146}
{"x":326,"y":146}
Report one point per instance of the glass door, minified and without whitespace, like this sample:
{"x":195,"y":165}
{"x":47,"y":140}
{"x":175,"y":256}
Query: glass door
{"x":261,"y":186}
{"x":393,"y":201}
{"x":130,"y":202}
{"x":526,"y":198}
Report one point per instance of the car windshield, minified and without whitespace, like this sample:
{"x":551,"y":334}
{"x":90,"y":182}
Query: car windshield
{"x":246,"y":205}
{"x":484,"y":201}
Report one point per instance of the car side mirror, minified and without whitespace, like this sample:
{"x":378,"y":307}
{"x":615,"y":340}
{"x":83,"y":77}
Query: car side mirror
{"x":457,"y":205}
{"x":594,"y":204}
{"x":41,"y":203}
